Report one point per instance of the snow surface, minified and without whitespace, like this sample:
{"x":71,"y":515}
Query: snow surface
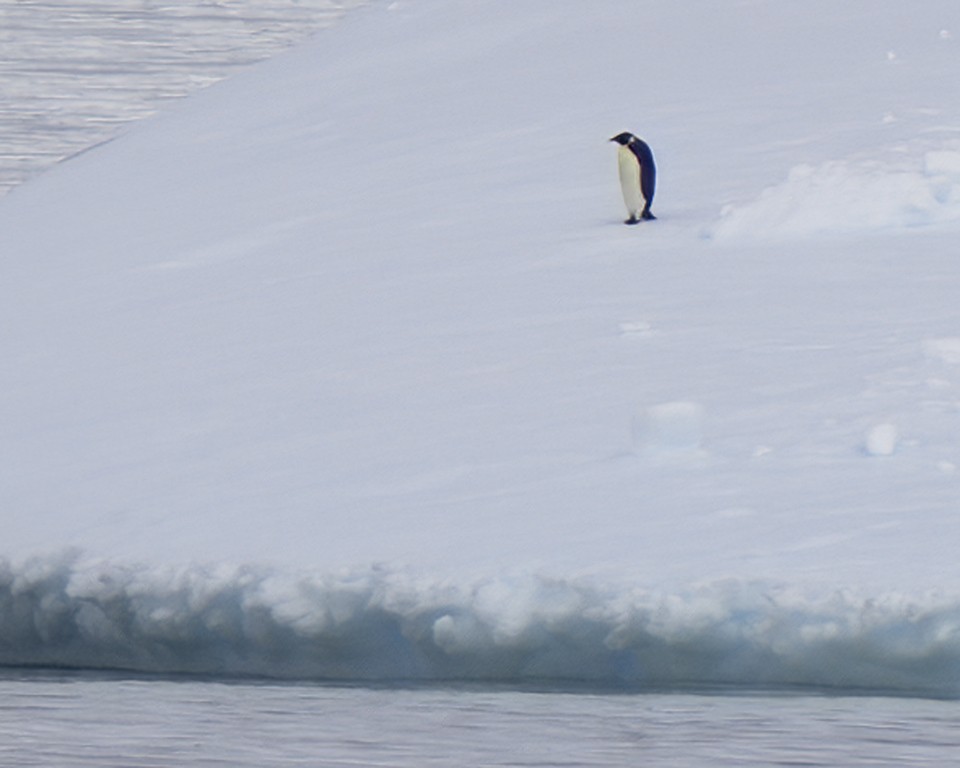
{"x":370,"y":305}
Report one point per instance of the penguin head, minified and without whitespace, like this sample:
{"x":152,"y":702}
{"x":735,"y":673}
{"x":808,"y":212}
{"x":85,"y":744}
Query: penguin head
{"x":623,"y":138}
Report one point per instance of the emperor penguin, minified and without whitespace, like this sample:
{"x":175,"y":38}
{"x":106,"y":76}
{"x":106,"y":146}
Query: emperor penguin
{"x":638,"y":176}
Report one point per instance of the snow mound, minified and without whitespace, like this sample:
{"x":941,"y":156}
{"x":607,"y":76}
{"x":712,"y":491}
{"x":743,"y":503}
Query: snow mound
{"x":846,"y":196}
{"x":669,"y":430}
{"x":946,"y":350}
{"x":881,"y":440}
{"x":381,"y":625}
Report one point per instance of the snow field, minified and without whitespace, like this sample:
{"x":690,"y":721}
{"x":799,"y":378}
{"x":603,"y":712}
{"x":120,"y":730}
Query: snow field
{"x":371,"y":303}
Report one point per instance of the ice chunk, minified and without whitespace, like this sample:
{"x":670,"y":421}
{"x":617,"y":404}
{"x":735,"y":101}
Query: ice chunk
{"x":881,"y":440}
{"x":946,"y":350}
{"x":672,"y":428}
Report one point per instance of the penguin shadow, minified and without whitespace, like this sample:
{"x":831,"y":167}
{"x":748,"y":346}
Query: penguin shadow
{"x":683,"y":217}
{"x":643,"y":220}
{"x":629,"y":223}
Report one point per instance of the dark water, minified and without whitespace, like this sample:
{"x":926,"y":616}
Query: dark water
{"x":80,"y":721}
{"x":71,"y":72}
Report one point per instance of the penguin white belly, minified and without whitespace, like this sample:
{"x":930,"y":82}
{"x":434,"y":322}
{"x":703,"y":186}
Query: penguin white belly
{"x":630,"y":181}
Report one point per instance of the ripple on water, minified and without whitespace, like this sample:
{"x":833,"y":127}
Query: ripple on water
{"x":71,"y":73}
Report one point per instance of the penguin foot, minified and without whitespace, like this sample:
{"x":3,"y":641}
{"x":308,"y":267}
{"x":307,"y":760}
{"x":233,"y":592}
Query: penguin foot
{"x":632,"y":220}
{"x":647,"y":216}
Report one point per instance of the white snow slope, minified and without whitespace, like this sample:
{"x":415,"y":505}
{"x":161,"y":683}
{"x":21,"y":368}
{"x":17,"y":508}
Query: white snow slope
{"x":371,"y":306}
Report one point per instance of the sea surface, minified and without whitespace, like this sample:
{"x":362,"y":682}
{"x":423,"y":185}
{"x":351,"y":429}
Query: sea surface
{"x":85,"y":721}
{"x":73,"y":73}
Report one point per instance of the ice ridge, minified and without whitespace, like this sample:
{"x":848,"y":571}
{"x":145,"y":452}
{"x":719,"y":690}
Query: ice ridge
{"x":393,"y":626}
{"x":844,"y":196}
